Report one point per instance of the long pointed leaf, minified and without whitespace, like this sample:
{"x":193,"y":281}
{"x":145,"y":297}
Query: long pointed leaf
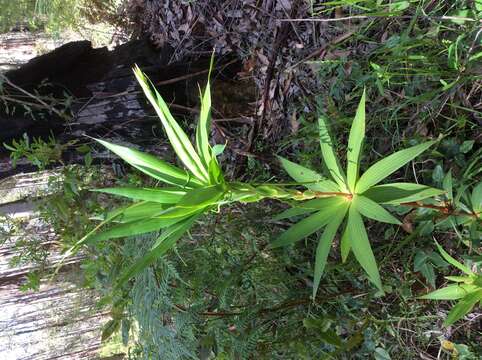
{"x":328,"y":153}
{"x":385,"y":167}
{"x":204,"y":125}
{"x":345,"y":245}
{"x":138,"y":227}
{"x":310,"y":179}
{"x":355,"y":142}
{"x":463,"y":307}
{"x":308,"y":225}
{"x":151,"y":165}
{"x":177,"y":137}
{"x":163,"y":243}
{"x":372,"y":210}
{"x":451,"y":292}
{"x":202,"y":196}
{"x":398,"y":193}
{"x":163,"y":196}
{"x":324,"y":245}
{"x":361,"y":246}
{"x":452,"y":261}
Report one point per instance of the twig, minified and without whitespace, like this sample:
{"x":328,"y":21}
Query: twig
{"x":49,"y":107}
{"x":347,"y":18}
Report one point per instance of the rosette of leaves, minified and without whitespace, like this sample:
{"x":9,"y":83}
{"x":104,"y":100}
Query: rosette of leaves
{"x":466,"y":289}
{"x":347,"y":197}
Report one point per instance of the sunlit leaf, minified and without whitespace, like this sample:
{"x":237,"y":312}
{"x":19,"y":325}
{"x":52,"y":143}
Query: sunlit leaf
{"x":138,"y":227}
{"x":361,"y":246}
{"x":372,"y":210}
{"x":398,"y":193}
{"x":163,"y":196}
{"x":385,"y":167}
{"x":164,"y":242}
{"x":310,"y":179}
{"x":450,"y":292}
{"x":328,"y":153}
{"x":324,"y":245}
{"x":204,"y":125}
{"x":355,"y":142}
{"x":463,"y":307}
{"x":177,"y":137}
{"x":309,"y":225}
{"x":345,"y":245}
{"x":201,"y":197}
{"x":151,"y":165}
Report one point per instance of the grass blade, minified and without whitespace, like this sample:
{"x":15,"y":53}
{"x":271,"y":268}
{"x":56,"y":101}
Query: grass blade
{"x":310,"y":179}
{"x":476,"y":198}
{"x":361,"y":246}
{"x":151,"y":165}
{"x":163,"y":243}
{"x":398,"y":193}
{"x":385,"y":167}
{"x":328,"y":153}
{"x":372,"y":210}
{"x":309,"y":225}
{"x":355,"y":143}
{"x":324,"y":245}
{"x":163,"y":196}
{"x":177,"y":137}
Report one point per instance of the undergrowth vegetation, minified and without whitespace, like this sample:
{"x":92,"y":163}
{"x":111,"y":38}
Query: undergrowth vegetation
{"x":366,"y":243}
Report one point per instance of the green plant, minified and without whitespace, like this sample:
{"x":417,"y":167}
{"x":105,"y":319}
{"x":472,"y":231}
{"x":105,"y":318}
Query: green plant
{"x":467,"y":289}
{"x":202,"y":188}
{"x":37,"y":151}
{"x":352,"y":196}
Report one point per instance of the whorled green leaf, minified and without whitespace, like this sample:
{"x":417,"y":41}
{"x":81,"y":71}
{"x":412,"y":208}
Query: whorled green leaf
{"x":450,"y":292}
{"x":177,"y":137}
{"x":324,"y":245}
{"x":328,"y":153}
{"x":310,"y":224}
{"x":292,"y":212}
{"x":201,"y":197}
{"x":163,"y":195}
{"x":463,"y":307}
{"x":372,"y":210}
{"x":309,"y":178}
{"x":345,"y":245}
{"x":204,"y":124}
{"x":355,"y":143}
{"x":151,"y":165}
{"x":398,"y":193}
{"x":385,"y":167}
{"x":306,"y":207}
{"x":361,"y":246}
{"x":164,"y":242}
